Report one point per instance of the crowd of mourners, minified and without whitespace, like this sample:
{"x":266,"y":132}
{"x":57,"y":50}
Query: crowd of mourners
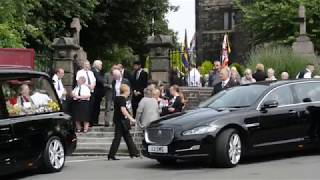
{"x":131,"y":99}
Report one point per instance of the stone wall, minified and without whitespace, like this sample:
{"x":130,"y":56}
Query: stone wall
{"x":214,"y":18}
{"x":195,"y":95}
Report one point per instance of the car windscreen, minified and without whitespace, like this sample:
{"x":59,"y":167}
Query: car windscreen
{"x":237,"y":97}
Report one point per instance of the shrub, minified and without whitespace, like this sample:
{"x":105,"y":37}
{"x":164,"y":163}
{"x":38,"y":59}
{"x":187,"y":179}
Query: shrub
{"x":206,"y":67}
{"x":280,"y":58}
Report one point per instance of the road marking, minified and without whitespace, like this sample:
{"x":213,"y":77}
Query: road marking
{"x":88,"y":160}
{"x":83,"y":160}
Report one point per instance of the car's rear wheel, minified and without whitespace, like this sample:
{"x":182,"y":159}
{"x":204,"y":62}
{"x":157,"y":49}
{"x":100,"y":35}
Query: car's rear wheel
{"x":167,"y":162}
{"x":228,"y":149}
{"x":53,"y":156}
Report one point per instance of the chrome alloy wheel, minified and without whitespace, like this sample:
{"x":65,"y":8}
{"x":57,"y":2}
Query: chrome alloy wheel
{"x":56,"y":154}
{"x":234,"y":149}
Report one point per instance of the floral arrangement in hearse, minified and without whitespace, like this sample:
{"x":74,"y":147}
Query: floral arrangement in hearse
{"x":53,"y":106}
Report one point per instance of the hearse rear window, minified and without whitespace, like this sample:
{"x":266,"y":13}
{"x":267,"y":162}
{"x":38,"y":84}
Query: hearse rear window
{"x":28,"y":96}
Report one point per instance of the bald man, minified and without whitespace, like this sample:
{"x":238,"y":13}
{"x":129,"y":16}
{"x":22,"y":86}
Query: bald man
{"x":225,"y":81}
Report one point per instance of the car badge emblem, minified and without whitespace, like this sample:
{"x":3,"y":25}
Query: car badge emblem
{"x":159,"y":132}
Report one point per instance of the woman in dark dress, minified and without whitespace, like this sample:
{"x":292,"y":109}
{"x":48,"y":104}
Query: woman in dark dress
{"x":122,"y":120}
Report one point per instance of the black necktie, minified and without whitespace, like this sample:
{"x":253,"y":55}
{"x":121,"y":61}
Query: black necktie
{"x":79,"y":92}
{"x":89,"y":82}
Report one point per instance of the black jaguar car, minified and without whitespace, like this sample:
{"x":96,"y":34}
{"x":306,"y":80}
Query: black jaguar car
{"x":246,"y":120}
{"x":34,"y":132}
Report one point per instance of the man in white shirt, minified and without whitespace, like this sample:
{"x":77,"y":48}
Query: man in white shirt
{"x":307,"y":73}
{"x":58,"y":85}
{"x":88,"y":74}
{"x":194,"y":78}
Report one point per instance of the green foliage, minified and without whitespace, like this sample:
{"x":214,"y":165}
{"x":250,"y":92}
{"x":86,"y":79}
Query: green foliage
{"x":280,"y":58}
{"x":9,"y":38}
{"x":13,"y":25}
{"x":275,"y":21}
{"x":240,"y":68}
{"x":206,"y":67}
{"x":53,"y":18}
{"x":116,"y":55}
{"x":126,"y":23}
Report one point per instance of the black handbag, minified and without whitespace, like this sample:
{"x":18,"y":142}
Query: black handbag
{"x":126,"y":126}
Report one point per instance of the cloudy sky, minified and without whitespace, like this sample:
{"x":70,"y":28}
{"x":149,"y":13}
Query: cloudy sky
{"x":183,"y":19}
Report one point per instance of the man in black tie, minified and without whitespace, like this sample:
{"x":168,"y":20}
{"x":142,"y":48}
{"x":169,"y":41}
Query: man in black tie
{"x":138,"y":84}
{"x":99,"y":91}
{"x":225,"y":81}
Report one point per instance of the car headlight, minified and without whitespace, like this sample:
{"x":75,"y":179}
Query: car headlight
{"x":200,"y":130}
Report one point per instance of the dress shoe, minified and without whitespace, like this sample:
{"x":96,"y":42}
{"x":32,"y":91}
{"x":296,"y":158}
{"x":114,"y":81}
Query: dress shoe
{"x":112,"y":158}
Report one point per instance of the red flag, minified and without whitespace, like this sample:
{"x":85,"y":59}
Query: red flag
{"x":225,"y":51}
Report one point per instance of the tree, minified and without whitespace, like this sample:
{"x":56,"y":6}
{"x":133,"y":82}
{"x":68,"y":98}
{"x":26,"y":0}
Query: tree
{"x":126,"y":23}
{"x":13,"y":25}
{"x":276,"y":21}
{"x":53,"y":18}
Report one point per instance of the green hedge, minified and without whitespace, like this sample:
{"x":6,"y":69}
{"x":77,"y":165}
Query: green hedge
{"x":280,"y":58}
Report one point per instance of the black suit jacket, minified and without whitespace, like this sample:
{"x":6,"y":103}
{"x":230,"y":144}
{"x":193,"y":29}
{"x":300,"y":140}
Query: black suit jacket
{"x":126,"y":75}
{"x":218,"y":87}
{"x":141,"y":83}
{"x":124,"y":81}
{"x":100,"y":81}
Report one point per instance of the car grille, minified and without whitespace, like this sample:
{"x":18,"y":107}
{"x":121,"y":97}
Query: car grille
{"x":160,"y":136}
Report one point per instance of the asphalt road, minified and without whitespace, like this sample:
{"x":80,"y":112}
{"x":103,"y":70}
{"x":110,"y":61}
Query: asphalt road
{"x":283,"y":166}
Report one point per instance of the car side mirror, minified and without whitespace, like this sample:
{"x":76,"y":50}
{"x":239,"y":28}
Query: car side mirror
{"x":306,"y":100}
{"x":270,"y":104}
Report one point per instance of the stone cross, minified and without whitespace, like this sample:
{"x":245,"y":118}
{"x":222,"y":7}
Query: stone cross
{"x":302,"y":17}
{"x":75,"y":24}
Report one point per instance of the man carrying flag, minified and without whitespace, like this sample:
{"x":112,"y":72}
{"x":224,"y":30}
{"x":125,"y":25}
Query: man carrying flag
{"x":225,"y":51}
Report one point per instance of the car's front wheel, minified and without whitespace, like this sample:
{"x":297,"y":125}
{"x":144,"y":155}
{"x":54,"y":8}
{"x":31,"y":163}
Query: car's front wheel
{"x":53,"y":156}
{"x":228,"y":149}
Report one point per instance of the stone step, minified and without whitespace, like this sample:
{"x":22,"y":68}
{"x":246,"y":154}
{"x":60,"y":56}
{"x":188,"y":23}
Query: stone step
{"x":99,"y":134}
{"x":101,"y":129}
{"x":98,"y":146}
{"x":94,"y":140}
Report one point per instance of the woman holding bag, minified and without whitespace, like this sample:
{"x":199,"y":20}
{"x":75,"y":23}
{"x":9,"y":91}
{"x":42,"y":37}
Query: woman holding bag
{"x":122,"y":120}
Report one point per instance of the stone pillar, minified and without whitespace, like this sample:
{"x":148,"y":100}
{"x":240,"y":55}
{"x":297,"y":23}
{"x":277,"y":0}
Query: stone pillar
{"x":65,"y":50}
{"x":159,"y":46}
{"x":303,"y":45}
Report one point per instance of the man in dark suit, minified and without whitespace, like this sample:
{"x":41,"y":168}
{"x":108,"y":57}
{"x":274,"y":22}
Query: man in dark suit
{"x":139,"y":82}
{"x":225,"y":82}
{"x":99,"y":91}
{"x":124,"y":73}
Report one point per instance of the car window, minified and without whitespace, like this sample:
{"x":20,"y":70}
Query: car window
{"x":307,"y":92}
{"x":29,"y":96}
{"x":283,"y":95}
{"x":240,"y":96}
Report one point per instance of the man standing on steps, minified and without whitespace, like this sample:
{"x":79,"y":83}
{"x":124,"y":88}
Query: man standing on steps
{"x":90,"y":80}
{"x":138,"y":84}
{"x":99,"y":91}
{"x":58,"y":86}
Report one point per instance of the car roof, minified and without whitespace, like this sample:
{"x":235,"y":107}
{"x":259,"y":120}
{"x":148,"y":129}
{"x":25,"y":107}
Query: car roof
{"x":282,"y":82}
{"x":20,"y":71}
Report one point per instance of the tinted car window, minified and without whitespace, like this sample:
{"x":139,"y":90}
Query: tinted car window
{"x":307,"y":92}
{"x":283,"y":95}
{"x":240,"y":96}
{"x":29,"y":96}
